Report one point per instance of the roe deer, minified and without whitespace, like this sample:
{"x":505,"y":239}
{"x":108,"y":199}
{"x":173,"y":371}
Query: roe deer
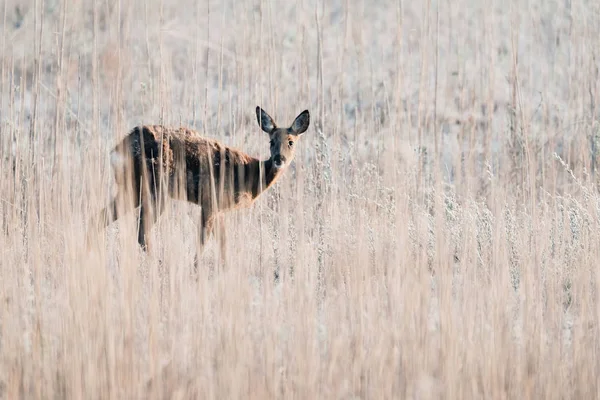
{"x":210,"y":174}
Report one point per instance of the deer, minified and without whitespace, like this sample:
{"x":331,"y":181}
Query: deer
{"x":156,"y":162}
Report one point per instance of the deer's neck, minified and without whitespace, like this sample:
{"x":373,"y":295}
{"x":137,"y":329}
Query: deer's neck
{"x":263,"y":175}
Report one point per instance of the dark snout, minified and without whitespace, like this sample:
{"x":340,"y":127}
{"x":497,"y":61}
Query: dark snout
{"x":279,"y":161}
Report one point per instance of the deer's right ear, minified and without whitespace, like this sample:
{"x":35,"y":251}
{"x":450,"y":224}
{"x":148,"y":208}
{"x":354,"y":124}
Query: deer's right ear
{"x":264,"y":120}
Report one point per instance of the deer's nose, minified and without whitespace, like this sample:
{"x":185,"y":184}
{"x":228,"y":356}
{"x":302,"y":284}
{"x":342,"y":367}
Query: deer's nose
{"x":279,"y":161}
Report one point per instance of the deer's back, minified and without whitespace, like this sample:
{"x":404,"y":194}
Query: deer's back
{"x":183,"y":153}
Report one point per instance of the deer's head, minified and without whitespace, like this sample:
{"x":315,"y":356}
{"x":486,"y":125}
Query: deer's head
{"x":283,"y":140}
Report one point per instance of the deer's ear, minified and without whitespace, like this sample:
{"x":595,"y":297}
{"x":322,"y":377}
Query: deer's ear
{"x":301,"y":123}
{"x":264,"y":120}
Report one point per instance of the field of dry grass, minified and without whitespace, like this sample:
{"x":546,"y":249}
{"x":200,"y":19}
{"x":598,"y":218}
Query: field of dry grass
{"x":438,"y":235}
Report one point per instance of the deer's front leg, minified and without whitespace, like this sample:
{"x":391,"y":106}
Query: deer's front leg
{"x":219,"y":229}
{"x":211,"y":224}
{"x":205,"y":230}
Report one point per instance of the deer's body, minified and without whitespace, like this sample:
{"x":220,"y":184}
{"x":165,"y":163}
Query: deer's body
{"x":155,"y":162}
{"x":210,"y":171}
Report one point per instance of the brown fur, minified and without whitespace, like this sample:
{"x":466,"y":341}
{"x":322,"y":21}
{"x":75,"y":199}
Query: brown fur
{"x":155,"y":161}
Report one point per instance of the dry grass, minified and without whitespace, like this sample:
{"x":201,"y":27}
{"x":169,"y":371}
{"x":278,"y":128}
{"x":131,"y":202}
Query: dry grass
{"x":438,"y":235}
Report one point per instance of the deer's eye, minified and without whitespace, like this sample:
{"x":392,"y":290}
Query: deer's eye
{"x":291,"y":143}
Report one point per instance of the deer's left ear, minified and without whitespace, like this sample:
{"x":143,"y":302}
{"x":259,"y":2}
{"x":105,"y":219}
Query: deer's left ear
{"x":301,"y":123}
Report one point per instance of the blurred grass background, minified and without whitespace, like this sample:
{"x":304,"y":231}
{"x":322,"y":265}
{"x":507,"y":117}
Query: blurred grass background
{"x":437,"y":235}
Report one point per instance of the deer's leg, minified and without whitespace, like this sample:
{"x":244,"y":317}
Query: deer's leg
{"x":222,"y":238}
{"x":214,"y":225}
{"x":205,"y":230}
{"x":149,"y":214}
{"x":150,"y":211}
{"x":152,"y":205}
